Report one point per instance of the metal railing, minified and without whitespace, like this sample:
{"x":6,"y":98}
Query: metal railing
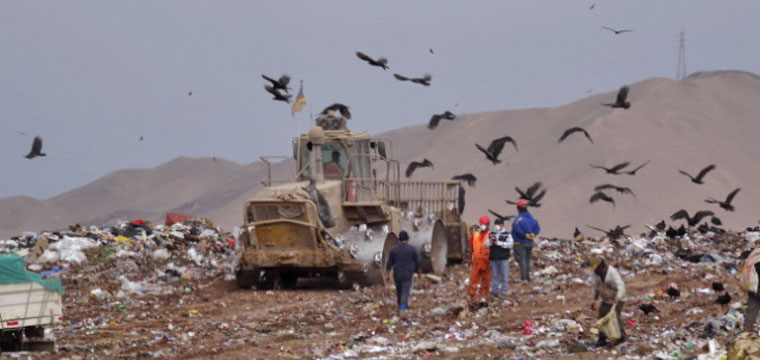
{"x":268,"y":181}
{"x":434,"y":196}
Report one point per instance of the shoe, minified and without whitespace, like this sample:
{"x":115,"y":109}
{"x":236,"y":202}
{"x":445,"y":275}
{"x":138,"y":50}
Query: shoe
{"x":618,"y":341}
{"x":403,"y":307}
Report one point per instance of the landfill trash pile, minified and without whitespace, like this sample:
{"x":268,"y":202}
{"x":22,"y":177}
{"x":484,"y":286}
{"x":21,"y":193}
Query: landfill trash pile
{"x":168,"y":292}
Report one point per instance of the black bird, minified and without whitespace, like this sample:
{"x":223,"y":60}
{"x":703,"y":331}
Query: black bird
{"x":380,"y":62}
{"x":416,"y":164}
{"x":601,"y":196}
{"x":470,"y":179}
{"x":620,"y":101}
{"x":141,"y":138}
{"x":700,"y":176}
{"x":574,"y":130}
{"x":671,"y":233}
{"x":343,"y":109}
{"x":724,"y":299}
{"x":499,"y":216}
{"x":718,"y":287}
{"x":592,"y":7}
{"x":692,"y":221}
{"x":495,"y":148}
{"x":190,"y":93}
{"x":530,"y":191}
{"x":578,"y":235}
{"x":648,"y":308}
{"x":660,"y":225}
{"x":673,"y":292}
{"x":279,"y":84}
{"x":36,"y":148}
{"x":633,"y":172}
{"x":435,"y":119}
{"x":726,"y":205}
{"x":716,"y":221}
{"x":613,"y":170}
{"x":620,"y":189}
{"x":681,"y":231}
{"x":424,"y":80}
{"x":431,"y":51}
{"x":613,"y":234}
{"x":617,"y":32}
{"x":278,"y":96}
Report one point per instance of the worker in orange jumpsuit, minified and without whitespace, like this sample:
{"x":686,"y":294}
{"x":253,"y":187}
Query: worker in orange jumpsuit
{"x":481,"y":267}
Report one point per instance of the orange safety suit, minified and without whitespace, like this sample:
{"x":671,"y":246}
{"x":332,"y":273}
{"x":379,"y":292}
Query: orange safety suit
{"x":481,"y":267}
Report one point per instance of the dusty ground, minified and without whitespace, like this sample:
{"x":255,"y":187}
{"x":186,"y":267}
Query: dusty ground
{"x":215,"y":319}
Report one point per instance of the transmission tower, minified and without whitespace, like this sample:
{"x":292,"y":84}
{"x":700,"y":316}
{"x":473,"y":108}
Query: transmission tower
{"x":681,"y":71}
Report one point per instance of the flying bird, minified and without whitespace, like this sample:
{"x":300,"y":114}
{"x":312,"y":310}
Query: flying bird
{"x":620,"y":101}
{"x":613,"y":234}
{"x":692,"y":221}
{"x":141,"y":138}
{"x":435,"y":119}
{"x":648,"y":308}
{"x":278,"y":96}
{"x":470,"y":179}
{"x":380,"y":62}
{"x":699,"y":179}
{"x":716,"y":221}
{"x":343,"y":109}
{"x":718,"y":286}
{"x":416,"y":164}
{"x":495,"y":148}
{"x":617,"y":32}
{"x":190,"y":93}
{"x":601,"y":196}
{"x":724,"y":299}
{"x":613,"y":170}
{"x":725,"y":205}
{"x":36,"y":148}
{"x":572,"y":130}
{"x":424,"y":80}
{"x":279,"y":84}
{"x":431,"y":51}
{"x":530,"y":191}
{"x":620,"y":189}
{"x":499,"y":216}
{"x":633,"y":172}
{"x":592,"y":7}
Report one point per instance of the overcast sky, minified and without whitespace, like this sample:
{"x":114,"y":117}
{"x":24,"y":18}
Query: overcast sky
{"x":91,"y":77}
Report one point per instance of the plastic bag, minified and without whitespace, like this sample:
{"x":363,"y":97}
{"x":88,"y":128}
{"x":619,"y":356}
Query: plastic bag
{"x":609,"y":325}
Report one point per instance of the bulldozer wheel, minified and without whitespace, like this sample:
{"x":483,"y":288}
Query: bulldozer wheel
{"x":246,"y":279}
{"x":289,"y":280}
{"x":271,"y":280}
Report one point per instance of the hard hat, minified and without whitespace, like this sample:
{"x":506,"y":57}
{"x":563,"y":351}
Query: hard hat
{"x":594,"y":262}
{"x":522,"y":203}
{"x":484,"y":220}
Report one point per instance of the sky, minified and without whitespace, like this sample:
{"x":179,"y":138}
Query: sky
{"x":91,"y":77}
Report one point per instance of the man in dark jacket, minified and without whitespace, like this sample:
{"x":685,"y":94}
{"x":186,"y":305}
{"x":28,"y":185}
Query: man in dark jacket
{"x":524,"y":229}
{"x":405,"y":261}
{"x":500,"y":242}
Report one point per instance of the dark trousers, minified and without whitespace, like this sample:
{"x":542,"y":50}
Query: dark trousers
{"x":603,"y":310}
{"x":403,"y":289}
{"x":522,"y":255}
{"x":753,"y":305}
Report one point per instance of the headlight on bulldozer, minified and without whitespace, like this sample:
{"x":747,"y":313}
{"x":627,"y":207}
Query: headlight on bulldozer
{"x":353,"y":249}
{"x":378,"y":258}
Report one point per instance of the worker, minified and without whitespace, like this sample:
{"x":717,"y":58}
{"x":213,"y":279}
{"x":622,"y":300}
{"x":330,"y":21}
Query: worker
{"x":405,"y":261}
{"x":481,"y":270}
{"x":607,"y":284}
{"x":524,"y":229}
{"x":332,"y":168}
{"x":748,"y":280}
{"x":500,"y":245}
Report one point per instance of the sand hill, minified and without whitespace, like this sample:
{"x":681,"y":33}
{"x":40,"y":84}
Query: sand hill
{"x":710,"y":117}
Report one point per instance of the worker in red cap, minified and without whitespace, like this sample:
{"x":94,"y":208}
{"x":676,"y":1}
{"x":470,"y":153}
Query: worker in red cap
{"x":481,"y":267}
{"x":524,"y":229}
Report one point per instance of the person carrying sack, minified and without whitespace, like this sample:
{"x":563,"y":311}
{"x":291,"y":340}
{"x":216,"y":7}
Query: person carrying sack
{"x":607,"y":284}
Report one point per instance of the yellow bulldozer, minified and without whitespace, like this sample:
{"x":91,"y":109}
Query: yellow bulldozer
{"x":341,"y":213}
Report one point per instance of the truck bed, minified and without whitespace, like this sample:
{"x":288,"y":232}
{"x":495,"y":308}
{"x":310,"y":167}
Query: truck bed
{"x":28,"y":304}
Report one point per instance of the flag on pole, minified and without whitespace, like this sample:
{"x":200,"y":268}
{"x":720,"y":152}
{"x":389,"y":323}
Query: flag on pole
{"x":299,"y":103}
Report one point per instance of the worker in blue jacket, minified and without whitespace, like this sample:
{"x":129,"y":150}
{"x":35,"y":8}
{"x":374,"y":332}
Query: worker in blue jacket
{"x":524,"y":229}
